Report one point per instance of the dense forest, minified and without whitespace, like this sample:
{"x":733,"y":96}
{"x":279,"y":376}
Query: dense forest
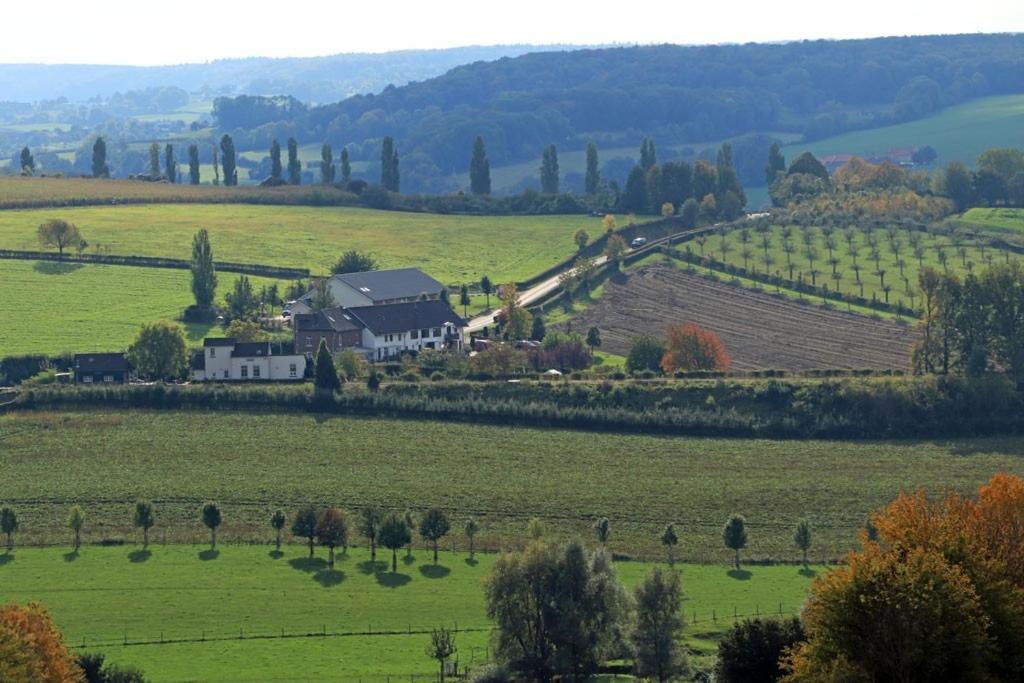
{"x":616,"y":96}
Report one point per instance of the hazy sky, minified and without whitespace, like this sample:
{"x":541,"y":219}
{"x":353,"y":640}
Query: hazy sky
{"x":136,"y":32}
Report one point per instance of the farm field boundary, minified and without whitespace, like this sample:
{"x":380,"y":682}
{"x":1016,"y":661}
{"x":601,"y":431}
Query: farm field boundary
{"x":155,"y":262}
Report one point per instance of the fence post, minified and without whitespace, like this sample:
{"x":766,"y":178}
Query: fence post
{"x":714,"y":617}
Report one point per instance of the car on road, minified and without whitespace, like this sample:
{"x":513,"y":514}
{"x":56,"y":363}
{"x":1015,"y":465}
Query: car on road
{"x":638,"y":242}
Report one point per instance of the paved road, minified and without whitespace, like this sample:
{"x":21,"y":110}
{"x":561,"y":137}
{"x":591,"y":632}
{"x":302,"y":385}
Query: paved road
{"x":541,"y":289}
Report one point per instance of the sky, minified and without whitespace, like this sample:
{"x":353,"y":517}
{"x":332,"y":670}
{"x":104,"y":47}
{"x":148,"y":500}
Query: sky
{"x":134,"y":32}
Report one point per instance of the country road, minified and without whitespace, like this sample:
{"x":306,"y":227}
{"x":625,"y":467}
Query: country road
{"x":542,"y":289}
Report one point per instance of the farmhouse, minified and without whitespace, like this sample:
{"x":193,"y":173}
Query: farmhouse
{"x":224,"y":358}
{"x":382,"y":332}
{"x":102,"y":368}
{"x":375,"y":288}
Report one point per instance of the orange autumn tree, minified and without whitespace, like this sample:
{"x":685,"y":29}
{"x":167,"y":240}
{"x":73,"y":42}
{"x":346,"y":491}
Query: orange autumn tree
{"x":939,"y":596}
{"x":692,"y":347}
{"x":32,"y":650}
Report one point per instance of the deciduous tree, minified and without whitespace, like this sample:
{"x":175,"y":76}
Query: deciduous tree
{"x":752,"y":649}
{"x":802,"y":538}
{"x":76,"y":520}
{"x":294,"y":165}
{"x":211,"y":520}
{"x":592,"y":179}
{"x":370,"y":518}
{"x":193,"y":164}
{"x":593,"y":338}
{"x":441,"y":647}
{"x":734,"y":535}
{"x":479,"y":169}
{"x":8,"y":525}
{"x":354,"y":261}
{"x":304,"y":525}
{"x":332,"y":532}
{"x":394,"y":533}
{"x":669,"y":539}
{"x":144,"y":519}
{"x":657,"y":652}
{"x":549,"y":178}
{"x":471,"y":529}
{"x":32,"y":649}
{"x":277,"y":522}
{"x":434,"y":526}
{"x":59,"y":233}
{"x":228,"y":161}
{"x":691,"y":347}
{"x":99,"y":159}
{"x":159,"y":351}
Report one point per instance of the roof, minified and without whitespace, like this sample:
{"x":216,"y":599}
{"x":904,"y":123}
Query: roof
{"x":250,"y":349}
{"x":328,"y":320}
{"x":219,"y":341}
{"x":406,"y":316}
{"x":101,"y":362}
{"x":399,"y":283}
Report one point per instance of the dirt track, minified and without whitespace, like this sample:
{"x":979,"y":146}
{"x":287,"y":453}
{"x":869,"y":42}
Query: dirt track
{"x":760,"y":331}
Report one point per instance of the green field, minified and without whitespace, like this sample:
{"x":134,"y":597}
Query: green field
{"x":233,"y":607}
{"x":995,"y":220}
{"x":253,"y":464}
{"x":56,"y":307}
{"x":453,"y":249}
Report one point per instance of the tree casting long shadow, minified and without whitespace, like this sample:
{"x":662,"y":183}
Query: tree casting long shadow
{"x":329,"y":577}
{"x":371,"y":567}
{"x":5,"y":558}
{"x":808,"y":572}
{"x":434,"y":571}
{"x":142,"y":555}
{"x":209,"y":554}
{"x":739,"y":574}
{"x":393,"y":579}
{"x":71,"y":557}
{"x":308,"y":564}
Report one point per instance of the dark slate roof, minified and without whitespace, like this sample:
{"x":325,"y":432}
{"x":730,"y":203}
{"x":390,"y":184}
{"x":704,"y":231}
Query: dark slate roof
{"x":329,"y":320}
{"x":408,"y":316}
{"x":219,"y":341}
{"x":400,"y":283}
{"x":101,"y":362}
{"x":251,"y":349}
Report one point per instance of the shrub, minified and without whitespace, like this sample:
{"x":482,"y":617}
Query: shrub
{"x":751,"y":650}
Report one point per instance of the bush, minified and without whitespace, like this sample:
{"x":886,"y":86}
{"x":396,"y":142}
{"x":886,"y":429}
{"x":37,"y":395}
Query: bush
{"x":490,"y":674}
{"x":751,"y":649}
{"x":410,"y":376}
{"x":437,"y":376}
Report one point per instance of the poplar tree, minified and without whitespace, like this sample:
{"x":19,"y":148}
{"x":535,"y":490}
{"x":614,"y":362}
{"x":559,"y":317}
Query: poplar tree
{"x":154,"y":160}
{"x":227,"y":158}
{"x":327,"y":165}
{"x":193,"y":164}
{"x":549,"y":170}
{"x":648,"y":155}
{"x":28,"y":162}
{"x":776,"y":163}
{"x":593,"y":177}
{"x":294,"y":165}
{"x":204,"y":276}
{"x":99,"y":159}
{"x":389,"y":165}
{"x":171,"y":163}
{"x":346,"y":167}
{"x":275,"y":160}
{"x":479,"y":169}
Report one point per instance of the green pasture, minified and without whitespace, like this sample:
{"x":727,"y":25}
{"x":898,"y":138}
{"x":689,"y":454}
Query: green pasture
{"x":454,"y":249}
{"x":55,"y":307}
{"x":358,"y":621}
{"x":255,"y":463}
{"x":994,"y":219}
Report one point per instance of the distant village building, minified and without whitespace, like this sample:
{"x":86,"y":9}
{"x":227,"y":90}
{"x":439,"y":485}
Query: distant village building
{"x":102,"y":368}
{"x":226,"y":359}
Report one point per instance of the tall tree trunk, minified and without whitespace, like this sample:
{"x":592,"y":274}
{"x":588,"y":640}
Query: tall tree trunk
{"x":435,"y":552}
{"x":213,"y":538}
{"x":394,"y":561}
{"x":145,"y":538}
{"x":330,"y":556}
{"x":311,"y":547}
{"x":277,"y":545}
{"x":373,"y":550}
{"x":737,"y":558}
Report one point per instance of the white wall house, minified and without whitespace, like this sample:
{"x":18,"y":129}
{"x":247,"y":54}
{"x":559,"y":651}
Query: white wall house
{"x":390,"y":330}
{"x":227,"y":359}
{"x":374,"y":288}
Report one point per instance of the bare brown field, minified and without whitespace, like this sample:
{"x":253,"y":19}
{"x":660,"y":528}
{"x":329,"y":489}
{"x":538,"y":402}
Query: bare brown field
{"x":759,"y":330}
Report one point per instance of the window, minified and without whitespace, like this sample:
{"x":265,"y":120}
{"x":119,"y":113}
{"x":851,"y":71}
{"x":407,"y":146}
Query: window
{"x":309,"y":341}
{"x":227,"y":375}
{"x":213,"y":352}
{"x":87,"y":379}
{"x":245,"y":371}
{"x":425,"y":333}
{"x":108,"y":378}
{"x":437,"y":331}
{"x":255,"y":371}
{"x":292,"y":370}
{"x":415,"y":335}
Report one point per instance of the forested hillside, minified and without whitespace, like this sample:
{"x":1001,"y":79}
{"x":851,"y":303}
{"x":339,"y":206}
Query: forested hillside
{"x":679,"y":95}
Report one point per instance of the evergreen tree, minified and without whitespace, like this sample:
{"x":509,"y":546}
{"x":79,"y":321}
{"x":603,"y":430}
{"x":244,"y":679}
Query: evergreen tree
{"x":389,"y":165}
{"x":776,"y":163}
{"x":635,"y":196}
{"x":592,"y":183}
{"x":228,"y":161}
{"x":171,"y":163}
{"x":294,"y":165}
{"x":99,"y":159}
{"x":327,"y":165}
{"x":325,"y":375}
{"x":28,"y":162}
{"x":275,"y":160}
{"x":216,"y":165}
{"x":479,"y":169}
{"x":648,"y":155}
{"x":204,"y":277}
{"x":346,"y":167}
{"x":728,"y":181}
{"x":154,"y":160}
{"x":549,"y":170}
{"x":659,"y":655}
{"x":193,"y":164}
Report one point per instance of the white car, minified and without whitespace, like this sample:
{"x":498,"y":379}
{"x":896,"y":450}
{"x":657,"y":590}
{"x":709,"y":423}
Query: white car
{"x":638,"y":242}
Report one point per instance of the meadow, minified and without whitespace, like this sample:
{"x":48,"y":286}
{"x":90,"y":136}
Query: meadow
{"x":359,"y":621}
{"x":56,"y":307}
{"x":255,"y":463}
{"x":453,"y":249}
{"x":994,"y":219}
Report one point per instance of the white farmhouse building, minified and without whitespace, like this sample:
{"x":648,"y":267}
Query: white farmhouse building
{"x":224,"y":358}
{"x":374,"y":288}
{"x":392,"y":329}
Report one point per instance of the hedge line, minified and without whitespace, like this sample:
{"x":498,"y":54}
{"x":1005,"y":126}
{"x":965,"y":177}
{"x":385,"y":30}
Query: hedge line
{"x":157,"y":262}
{"x":854,"y":408}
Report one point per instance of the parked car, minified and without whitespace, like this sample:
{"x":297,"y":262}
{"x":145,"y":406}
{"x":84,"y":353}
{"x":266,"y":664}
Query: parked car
{"x":638,"y":242}
{"x":286,"y":313}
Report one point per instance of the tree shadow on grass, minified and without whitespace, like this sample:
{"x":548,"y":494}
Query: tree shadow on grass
{"x":808,"y":572}
{"x":371,"y":567}
{"x":472,"y":561}
{"x":329,"y":577}
{"x":409,"y":559}
{"x":276,"y":554}
{"x":434,"y":571}
{"x":739,"y":574}
{"x":308,"y":564}
{"x":209,"y":554}
{"x":55,"y":267}
{"x":6,"y":558}
{"x":137,"y":556}
{"x":393,"y":579}
{"x":72,"y":556}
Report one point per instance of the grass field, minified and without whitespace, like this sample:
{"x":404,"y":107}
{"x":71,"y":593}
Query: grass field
{"x":185,"y":592}
{"x":252,"y":464}
{"x":996,"y":220}
{"x":56,"y":307}
{"x":454,"y":249}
